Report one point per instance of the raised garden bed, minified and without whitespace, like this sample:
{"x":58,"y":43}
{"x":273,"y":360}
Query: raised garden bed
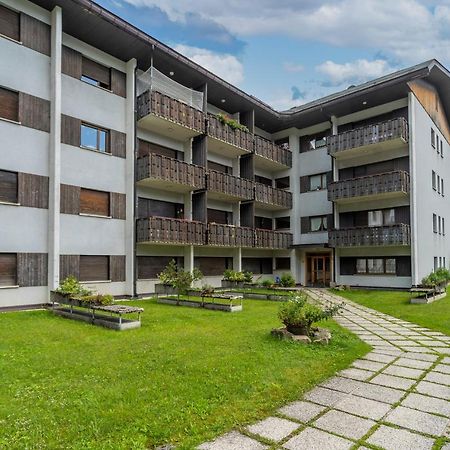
{"x":228,"y":303}
{"x":427,"y":295}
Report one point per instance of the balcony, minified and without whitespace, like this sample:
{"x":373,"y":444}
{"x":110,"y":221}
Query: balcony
{"x":391,"y":235}
{"x":167,"y":116}
{"x":229,"y":235}
{"x":383,"y":136}
{"x":164,"y":230}
{"x":384,"y":185}
{"x":223,"y":139}
{"x":268,"y":197}
{"x":272,"y":239}
{"x":162,"y":172}
{"x":269,"y":155}
{"x":223,"y":186}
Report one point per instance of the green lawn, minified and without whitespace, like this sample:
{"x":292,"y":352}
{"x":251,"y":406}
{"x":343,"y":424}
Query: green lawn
{"x":186,"y":376}
{"x":435,"y":315}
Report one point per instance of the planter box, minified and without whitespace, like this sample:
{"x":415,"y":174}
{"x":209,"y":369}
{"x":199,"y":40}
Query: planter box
{"x":429,"y":299}
{"x":164,"y":289}
{"x":232,"y":284}
{"x":196,"y":304}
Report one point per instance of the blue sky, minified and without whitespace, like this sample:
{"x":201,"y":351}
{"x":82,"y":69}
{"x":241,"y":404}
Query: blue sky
{"x":288,"y":52}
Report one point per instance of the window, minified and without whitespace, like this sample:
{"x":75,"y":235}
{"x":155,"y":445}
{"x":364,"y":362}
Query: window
{"x":9,"y":104}
{"x":439,"y":224}
{"x":95,"y":203}
{"x":442,"y":149}
{"x":282,"y":183}
{"x":8,"y":269}
{"x":9,"y":23}
{"x":219,"y":216}
{"x":435,"y":263}
{"x":264,"y":223}
{"x":361,"y":265}
{"x":433,"y":138}
{"x":390,"y":266}
{"x":318,"y":223}
{"x":437,"y":143}
{"x":438,"y":184}
{"x":282,"y":263}
{"x":149,"y":267}
{"x":213,"y":266}
{"x":434,"y":223}
{"x":282,"y":223}
{"x":433,"y":179}
{"x":263,"y":180}
{"x":220,"y":167}
{"x":94,"y":268}
{"x":443,"y":262}
{"x":443,"y":227}
{"x":317,"y":182}
{"x":376,"y":266}
{"x":381,"y":217}
{"x":8,"y":187}
{"x":94,"y":138}
{"x":95,"y":73}
{"x":257,"y":265}
{"x":442,"y":187}
{"x":317,"y":143}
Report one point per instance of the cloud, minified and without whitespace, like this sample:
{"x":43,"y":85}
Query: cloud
{"x":354,"y":72}
{"x":292,"y":67}
{"x":296,"y":93}
{"x":224,"y":65}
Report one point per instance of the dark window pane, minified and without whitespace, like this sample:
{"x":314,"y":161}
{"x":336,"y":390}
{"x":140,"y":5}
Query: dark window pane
{"x":8,"y":187}
{"x":8,"y":269}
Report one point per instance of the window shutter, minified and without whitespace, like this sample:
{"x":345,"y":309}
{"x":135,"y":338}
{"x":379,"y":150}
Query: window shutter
{"x":35,"y":34}
{"x":96,"y":71}
{"x":304,"y":184}
{"x":117,"y":267}
{"x":8,"y":269}
{"x":69,"y":265}
{"x":34,"y":112}
{"x":33,"y":190}
{"x":70,"y":199}
{"x":70,"y":130}
{"x":9,"y":104}
{"x":118,"y":83}
{"x":32,"y":269}
{"x":305,"y":225}
{"x":8,"y":186}
{"x":118,"y":142}
{"x":71,"y":62}
{"x":10,"y":23}
{"x":94,"y":202}
{"x":94,"y":268}
{"x":118,"y":206}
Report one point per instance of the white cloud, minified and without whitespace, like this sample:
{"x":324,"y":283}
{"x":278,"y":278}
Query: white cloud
{"x":224,"y":65}
{"x":292,"y":67}
{"x":355,"y":72}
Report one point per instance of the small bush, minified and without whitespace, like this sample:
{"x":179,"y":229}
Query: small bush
{"x":287,"y":280}
{"x":267,"y":283}
{"x":169,"y":274}
{"x":437,"y":278}
{"x":97,"y":299}
{"x":72,"y":287}
{"x":248,"y":277}
{"x":232,"y":275}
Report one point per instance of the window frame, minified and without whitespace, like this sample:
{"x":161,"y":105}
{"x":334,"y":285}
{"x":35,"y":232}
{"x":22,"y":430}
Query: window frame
{"x":323,"y":182}
{"x":433,"y":138}
{"x":433,"y":179}
{"x":99,"y":130}
{"x":323,"y":223}
{"x":434,"y":223}
{"x":384,"y":272}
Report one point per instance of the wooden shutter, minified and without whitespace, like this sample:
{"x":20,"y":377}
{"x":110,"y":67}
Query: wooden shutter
{"x":118,"y":206}
{"x":69,"y":265}
{"x":71,"y":62}
{"x":149,"y":267}
{"x":32,"y":269}
{"x":9,"y":104}
{"x":118,"y":142}
{"x":305,"y":225}
{"x":118,"y":83}
{"x":70,"y":130}
{"x":10,"y":23}
{"x":347,"y":266}
{"x":70,"y":199}
{"x":94,"y":268}
{"x":117,"y":267}
{"x":304,"y":184}
{"x":94,"y":202}
{"x":35,"y":34}
{"x":33,"y":190}
{"x":8,"y":269}
{"x":8,"y":186}
{"x":96,"y":71}
{"x":211,"y":266}
{"x":34,"y":112}
{"x":217,"y":216}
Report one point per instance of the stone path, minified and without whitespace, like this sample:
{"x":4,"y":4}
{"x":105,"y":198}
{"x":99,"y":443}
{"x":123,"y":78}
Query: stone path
{"x":396,"y":397}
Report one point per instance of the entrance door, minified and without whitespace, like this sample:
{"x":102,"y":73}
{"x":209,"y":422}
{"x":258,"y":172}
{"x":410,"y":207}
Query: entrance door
{"x":319,"y":270}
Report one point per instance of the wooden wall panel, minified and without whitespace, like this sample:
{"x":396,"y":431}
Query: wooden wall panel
{"x":118,"y":83}
{"x":35,"y":34}
{"x":247,"y":167}
{"x":213,"y":266}
{"x":145,"y":148}
{"x":149,"y":267}
{"x":118,"y":142}
{"x":199,"y":151}
{"x":118,"y":206}
{"x":33,"y":190}
{"x":69,"y":265}
{"x":70,"y":199}
{"x":8,"y":269}
{"x":34,"y":112}
{"x":94,"y":202}
{"x":71,"y":62}
{"x":117,"y":267}
{"x":94,"y":268}
{"x":199,"y":206}
{"x":32,"y":269}
{"x":9,"y":104}
{"x":96,"y":71}
{"x":70,"y":130}
{"x":248,"y":214}
{"x":10,"y":23}
{"x":8,"y":186}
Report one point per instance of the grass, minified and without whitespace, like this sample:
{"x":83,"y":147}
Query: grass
{"x":186,"y":376}
{"x":435,"y":316}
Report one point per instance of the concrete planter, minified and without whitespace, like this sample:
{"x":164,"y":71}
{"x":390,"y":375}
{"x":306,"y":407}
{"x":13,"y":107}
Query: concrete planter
{"x":429,"y":299}
{"x":164,"y":289}
{"x":198,"y":304}
{"x":227,"y":284}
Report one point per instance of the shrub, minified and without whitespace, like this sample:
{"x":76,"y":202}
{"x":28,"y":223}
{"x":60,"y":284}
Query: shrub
{"x":168,"y":275}
{"x":287,"y":280}
{"x":97,"y":299}
{"x":298,"y":315}
{"x":437,"y":278}
{"x":231,"y":122}
{"x":248,"y":277}
{"x":72,"y":287}
{"x":267,"y":283}
{"x":179,"y":279}
{"x":232,"y":275}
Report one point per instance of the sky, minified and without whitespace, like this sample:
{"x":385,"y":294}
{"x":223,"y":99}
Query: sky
{"x":290,"y":52}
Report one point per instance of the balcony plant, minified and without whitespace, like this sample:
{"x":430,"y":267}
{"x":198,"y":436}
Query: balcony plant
{"x":234,"y":124}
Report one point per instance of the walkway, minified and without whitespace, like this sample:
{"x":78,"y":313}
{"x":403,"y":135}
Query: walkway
{"x":397,"y":397}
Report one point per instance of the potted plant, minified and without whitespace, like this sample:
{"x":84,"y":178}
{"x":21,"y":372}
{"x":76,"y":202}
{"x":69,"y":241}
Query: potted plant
{"x":233,"y":279}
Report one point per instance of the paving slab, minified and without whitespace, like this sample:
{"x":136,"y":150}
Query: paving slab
{"x":233,"y":441}
{"x":379,"y":393}
{"x":427,"y":404}
{"x":302,"y":411}
{"x":369,"y":365}
{"x":273,"y":428}
{"x":446,"y":360}
{"x":356,"y":374}
{"x":363,"y":407}
{"x":393,"y":382}
{"x":443,"y":368}
{"x":341,"y":384}
{"x":436,"y":377}
{"x":420,"y":357}
{"x":420,"y":421}
{"x":433,"y":389}
{"x":413,"y":363}
{"x":395,"y":439}
{"x":405,"y":372}
{"x":313,"y":439}
{"x":418,"y":349}
{"x":323,"y":396}
{"x":380,"y":357}
{"x":446,"y":447}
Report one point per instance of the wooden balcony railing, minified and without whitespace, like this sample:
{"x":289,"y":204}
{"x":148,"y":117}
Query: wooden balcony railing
{"x":230,"y":185}
{"x":164,"y":230}
{"x":270,"y":150}
{"x":229,"y":235}
{"x":223,"y":132}
{"x":399,"y":234}
{"x":153,"y":102}
{"x":382,"y":183}
{"x":163,"y":168}
{"x":272,"y":239}
{"x":370,"y":134}
{"x":273,"y":196}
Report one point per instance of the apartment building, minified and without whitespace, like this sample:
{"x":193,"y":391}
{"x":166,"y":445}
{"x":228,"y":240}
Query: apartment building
{"x":118,"y":154}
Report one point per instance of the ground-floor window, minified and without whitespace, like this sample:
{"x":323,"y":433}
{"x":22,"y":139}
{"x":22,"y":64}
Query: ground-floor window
{"x":258,"y":265}
{"x":383,"y":265}
{"x":213,"y":266}
{"x":94,"y":268}
{"x":149,"y":267}
{"x":8,"y":269}
{"x":283,"y":263}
